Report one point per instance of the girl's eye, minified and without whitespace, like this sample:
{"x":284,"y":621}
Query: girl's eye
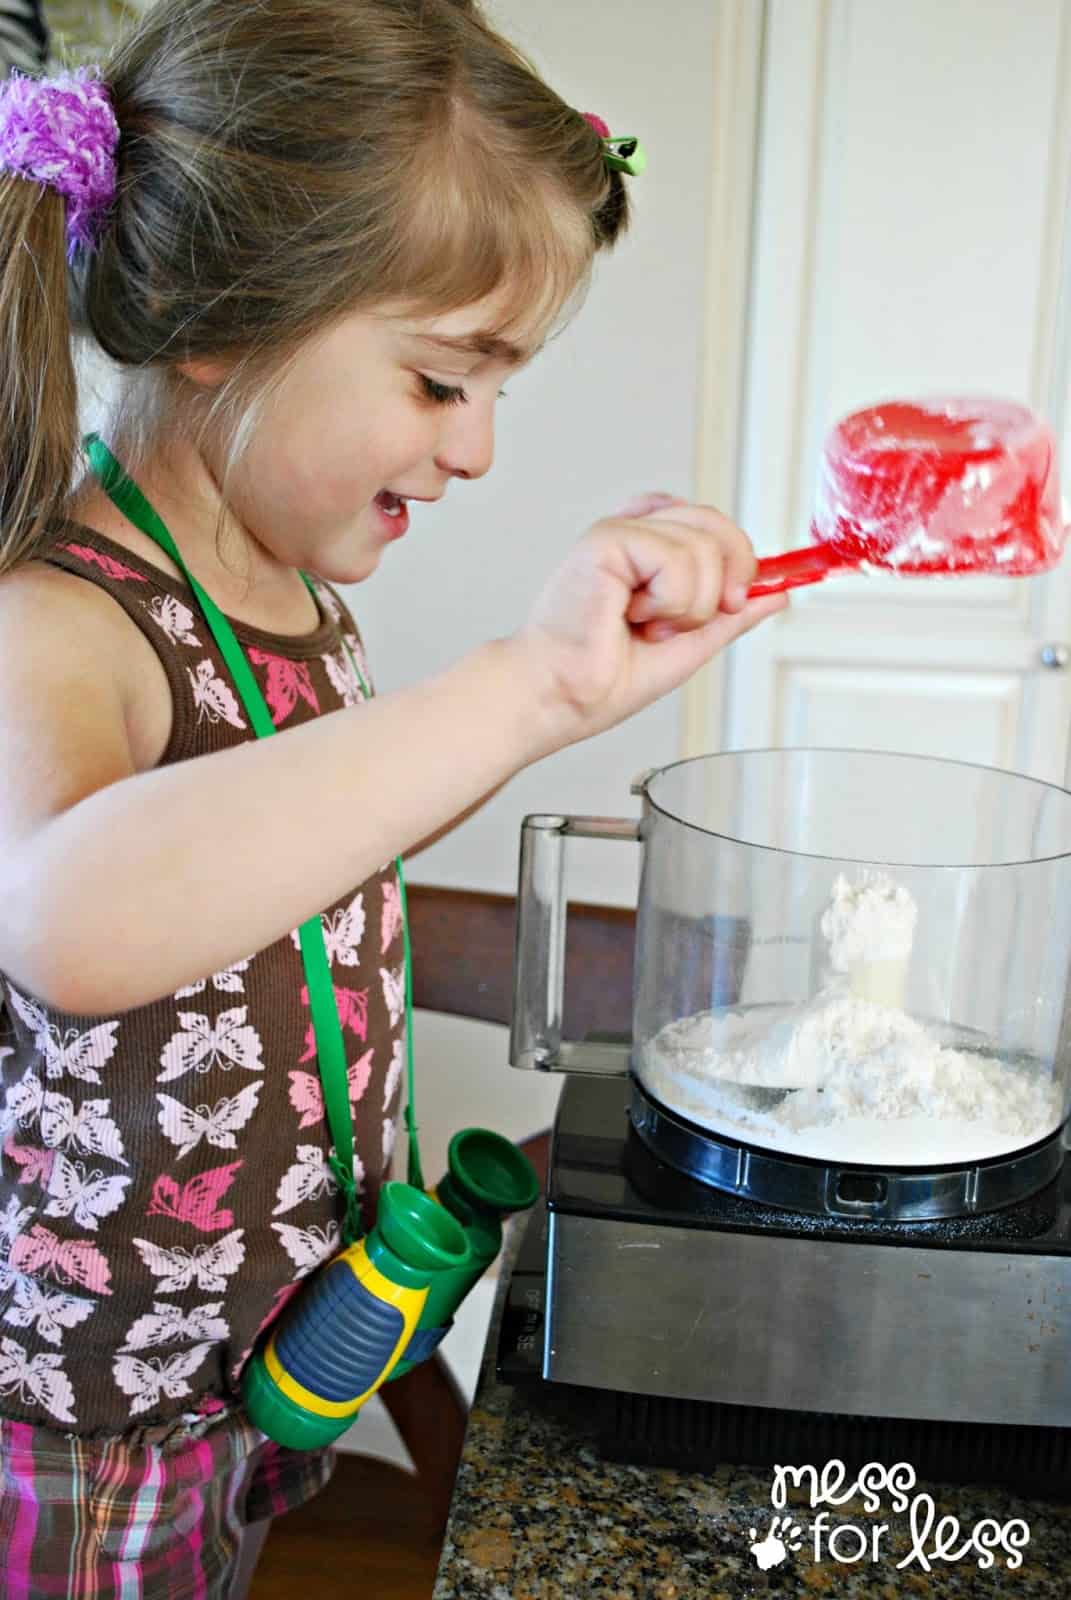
{"x":442,"y":393}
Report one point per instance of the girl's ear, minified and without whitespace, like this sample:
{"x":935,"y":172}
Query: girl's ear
{"x":209,"y":373}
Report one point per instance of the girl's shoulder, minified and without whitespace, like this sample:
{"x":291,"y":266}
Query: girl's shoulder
{"x":67,"y":645}
{"x":45,"y":608}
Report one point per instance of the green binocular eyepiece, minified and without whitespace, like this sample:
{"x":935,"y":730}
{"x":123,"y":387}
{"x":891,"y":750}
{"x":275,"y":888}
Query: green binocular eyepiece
{"x":386,"y":1302}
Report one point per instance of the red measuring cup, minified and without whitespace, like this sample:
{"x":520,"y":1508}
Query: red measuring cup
{"x":931,"y":487}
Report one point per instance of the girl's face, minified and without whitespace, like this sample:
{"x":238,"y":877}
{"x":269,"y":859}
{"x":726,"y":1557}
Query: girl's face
{"x":381,"y":406}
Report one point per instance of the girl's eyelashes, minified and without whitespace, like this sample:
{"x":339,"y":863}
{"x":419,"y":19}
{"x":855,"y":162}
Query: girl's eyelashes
{"x":443,"y":393}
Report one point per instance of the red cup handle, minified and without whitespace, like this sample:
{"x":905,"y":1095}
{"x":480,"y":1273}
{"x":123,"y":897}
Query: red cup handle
{"x":796,"y":568}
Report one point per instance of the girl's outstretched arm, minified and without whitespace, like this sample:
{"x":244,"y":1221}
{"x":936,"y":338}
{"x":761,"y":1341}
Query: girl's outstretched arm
{"x":118,"y":886}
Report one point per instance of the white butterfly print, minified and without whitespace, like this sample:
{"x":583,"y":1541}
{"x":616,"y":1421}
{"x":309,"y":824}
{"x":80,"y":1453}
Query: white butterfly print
{"x":393,"y":991}
{"x":89,"y":1128}
{"x":146,"y":1381}
{"x":41,"y":1380}
{"x":186,"y":1126}
{"x":50,"y":1312}
{"x":356,"y":649}
{"x":232,"y":1042}
{"x":213,"y":697}
{"x":227,"y":981}
{"x":343,"y":933}
{"x":23,"y":1102}
{"x":343,"y":679}
{"x":308,"y":1178}
{"x":394,"y":1072}
{"x":210,"y":1264}
{"x":74,"y":1053}
{"x":89,"y":1197}
{"x":390,"y":917}
{"x":13,"y":1219}
{"x":390,"y":1131}
{"x":307,"y":1247}
{"x":175,"y":619}
{"x":168,"y":1324}
{"x":328,"y":601}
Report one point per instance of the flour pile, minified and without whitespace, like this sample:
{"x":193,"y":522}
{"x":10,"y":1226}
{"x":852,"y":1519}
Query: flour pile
{"x":851,"y":1076}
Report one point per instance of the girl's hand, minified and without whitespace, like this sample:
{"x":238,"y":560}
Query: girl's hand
{"x":643,"y":601}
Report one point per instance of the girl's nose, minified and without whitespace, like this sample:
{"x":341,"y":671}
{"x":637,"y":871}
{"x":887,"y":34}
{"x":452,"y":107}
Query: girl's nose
{"x":467,"y":443}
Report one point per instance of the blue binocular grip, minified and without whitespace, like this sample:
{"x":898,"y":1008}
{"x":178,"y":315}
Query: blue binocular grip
{"x":339,"y":1341}
{"x":425,"y":1342}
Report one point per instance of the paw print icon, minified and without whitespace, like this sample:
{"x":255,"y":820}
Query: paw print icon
{"x":784,"y":1535}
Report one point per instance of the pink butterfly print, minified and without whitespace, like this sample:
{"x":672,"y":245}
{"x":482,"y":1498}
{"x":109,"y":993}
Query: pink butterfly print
{"x":352,"y":1013}
{"x":307,"y":1096}
{"x":36,"y":1164}
{"x":107,"y":564}
{"x":196,"y":1201}
{"x":69,"y":1261}
{"x":390,"y":921}
{"x":287,"y":1292}
{"x":287,"y":681}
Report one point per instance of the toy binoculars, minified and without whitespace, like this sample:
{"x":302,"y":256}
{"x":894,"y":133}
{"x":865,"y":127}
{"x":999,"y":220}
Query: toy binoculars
{"x":386,"y":1302}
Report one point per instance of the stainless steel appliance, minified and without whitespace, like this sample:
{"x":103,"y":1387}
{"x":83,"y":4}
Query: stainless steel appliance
{"x":818,"y":1200}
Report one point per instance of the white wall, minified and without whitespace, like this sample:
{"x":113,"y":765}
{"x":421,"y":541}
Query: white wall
{"x":607,"y":410}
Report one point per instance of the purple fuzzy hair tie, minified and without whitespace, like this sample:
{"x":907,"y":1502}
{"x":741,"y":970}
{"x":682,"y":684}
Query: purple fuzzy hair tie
{"x":62,"y":132}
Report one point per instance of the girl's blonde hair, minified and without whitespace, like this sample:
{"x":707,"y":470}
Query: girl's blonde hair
{"x":281,"y":163}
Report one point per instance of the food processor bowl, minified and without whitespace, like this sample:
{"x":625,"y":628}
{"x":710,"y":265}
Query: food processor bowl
{"x":845,"y":958}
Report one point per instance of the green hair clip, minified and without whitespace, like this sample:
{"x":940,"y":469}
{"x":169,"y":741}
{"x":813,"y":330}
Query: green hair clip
{"x":624,"y":153}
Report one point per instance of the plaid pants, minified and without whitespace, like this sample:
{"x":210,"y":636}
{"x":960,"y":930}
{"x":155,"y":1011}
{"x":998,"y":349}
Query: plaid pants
{"x":110,"y":1519}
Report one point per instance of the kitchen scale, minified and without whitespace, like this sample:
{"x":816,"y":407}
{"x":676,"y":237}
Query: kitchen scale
{"x":720,"y":1260}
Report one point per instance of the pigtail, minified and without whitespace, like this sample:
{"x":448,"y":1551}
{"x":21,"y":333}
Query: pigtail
{"x":38,"y":389}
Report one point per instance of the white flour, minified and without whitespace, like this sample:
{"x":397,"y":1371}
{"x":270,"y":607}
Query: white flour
{"x":872,"y":920}
{"x":850,"y":1076}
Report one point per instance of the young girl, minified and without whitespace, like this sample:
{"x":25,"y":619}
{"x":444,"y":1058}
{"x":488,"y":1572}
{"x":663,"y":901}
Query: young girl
{"x":315,"y":235}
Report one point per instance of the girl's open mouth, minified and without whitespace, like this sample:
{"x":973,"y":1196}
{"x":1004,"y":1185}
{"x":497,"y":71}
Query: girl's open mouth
{"x":393,"y":511}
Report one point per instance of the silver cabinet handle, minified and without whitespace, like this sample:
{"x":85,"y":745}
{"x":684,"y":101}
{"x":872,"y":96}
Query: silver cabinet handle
{"x":1055,"y":656}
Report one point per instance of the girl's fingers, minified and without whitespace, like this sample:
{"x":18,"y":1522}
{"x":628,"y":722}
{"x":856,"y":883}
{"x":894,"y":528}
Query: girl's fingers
{"x":687,"y":588}
{"x":737,"y":554}
{"x":704,"y":642}
{"x":725,"y":560}
{"x":642,"y":505}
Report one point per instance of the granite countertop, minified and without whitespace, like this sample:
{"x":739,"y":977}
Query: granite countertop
{"x":538,"y":1515}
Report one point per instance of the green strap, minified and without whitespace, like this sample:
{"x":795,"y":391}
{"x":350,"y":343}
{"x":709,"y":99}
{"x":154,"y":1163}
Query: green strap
{"x":327,"y":1028}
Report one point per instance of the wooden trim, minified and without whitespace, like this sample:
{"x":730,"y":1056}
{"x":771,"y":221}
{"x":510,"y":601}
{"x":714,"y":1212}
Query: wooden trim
{"x":463,"y":940}
{"x":735,"y":95}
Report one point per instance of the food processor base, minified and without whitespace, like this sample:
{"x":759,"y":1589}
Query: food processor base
{"x":698,"y":1436}
{"x":724,"y":1330}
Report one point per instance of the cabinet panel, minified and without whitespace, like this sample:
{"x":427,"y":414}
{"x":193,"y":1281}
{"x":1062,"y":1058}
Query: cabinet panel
{"x":967,"y":716}
{"x":912,"y":236}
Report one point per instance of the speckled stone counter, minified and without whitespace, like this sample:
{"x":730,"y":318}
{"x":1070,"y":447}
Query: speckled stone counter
{"x":537,"y":1515}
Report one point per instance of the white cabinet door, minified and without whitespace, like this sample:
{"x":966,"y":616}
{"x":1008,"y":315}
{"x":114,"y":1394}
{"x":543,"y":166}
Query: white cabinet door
{"x":911,"y":237}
